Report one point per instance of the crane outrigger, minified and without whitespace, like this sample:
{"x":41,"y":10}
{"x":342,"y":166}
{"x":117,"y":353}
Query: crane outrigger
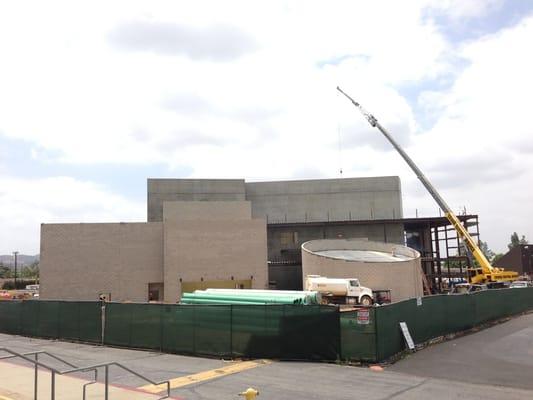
{"x":484,"y":272}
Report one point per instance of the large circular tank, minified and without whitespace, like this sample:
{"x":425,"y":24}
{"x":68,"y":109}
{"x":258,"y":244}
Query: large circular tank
{"x":377,"y":265}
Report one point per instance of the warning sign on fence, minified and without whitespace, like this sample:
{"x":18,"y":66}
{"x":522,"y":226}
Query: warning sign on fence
{"x":363,"y":317}
{"x":407,"y":336}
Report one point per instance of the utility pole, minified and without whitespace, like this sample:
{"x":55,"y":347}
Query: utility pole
{"x":15,"y":253}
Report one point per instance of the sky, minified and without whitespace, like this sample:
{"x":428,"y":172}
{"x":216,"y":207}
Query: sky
{"x":96,"y":97}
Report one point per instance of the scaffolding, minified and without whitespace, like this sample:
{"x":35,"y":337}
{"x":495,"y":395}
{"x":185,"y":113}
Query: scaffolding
{"x":443,"y":256}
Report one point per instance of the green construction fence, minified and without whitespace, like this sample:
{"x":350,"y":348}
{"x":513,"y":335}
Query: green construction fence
{"x":71,"y":320}
{"x":269,"y":331}
{"x":298,"y":332}
{"x":380,"y":337}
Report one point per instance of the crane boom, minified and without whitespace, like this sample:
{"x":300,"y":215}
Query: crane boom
{"x":486,"y":272}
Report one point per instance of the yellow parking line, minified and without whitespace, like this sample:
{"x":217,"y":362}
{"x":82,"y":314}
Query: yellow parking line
{"x":5,"y":398}
{"x":206,"y":375}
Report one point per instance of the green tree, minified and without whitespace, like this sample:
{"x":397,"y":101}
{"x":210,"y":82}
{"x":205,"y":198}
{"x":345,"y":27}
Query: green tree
{"x":497,"y":258}
{"x":516,"y":241}
{"x":30,"y":271}
{"x":5,"y":272}
{"x":486,"y":251}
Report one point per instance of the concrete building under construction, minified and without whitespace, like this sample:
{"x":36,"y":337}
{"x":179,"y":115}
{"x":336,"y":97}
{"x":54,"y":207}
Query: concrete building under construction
{"x":204,"y":232}
{"x":224,"y":233}
{"x":298,"y":211}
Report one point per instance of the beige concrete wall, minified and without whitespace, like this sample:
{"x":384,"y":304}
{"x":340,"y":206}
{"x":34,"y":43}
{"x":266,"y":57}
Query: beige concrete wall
{"x":216,"y":249}
{"x":161,"y":190}
{"x":403,"y":278}
{"x":326,"y":199}
{"x":198,"y":240}
{"x":79,"y":261}
{"x":206,"y":210}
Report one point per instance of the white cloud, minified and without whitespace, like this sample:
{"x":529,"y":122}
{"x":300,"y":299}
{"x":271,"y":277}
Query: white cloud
{"x":461,"y":9}
{"x":273,"y":111}
{"x":88,"y":102}
{"x":26,"y":203}
{"x":480,"y":144}
{"x":217,"y":43}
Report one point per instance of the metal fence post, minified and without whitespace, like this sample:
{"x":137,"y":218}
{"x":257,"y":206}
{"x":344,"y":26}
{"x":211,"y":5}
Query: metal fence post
{"x":193,"y":328}
{"x":231,"y":330}
{"x":103,"y":308}
{"x":161,"y":313}
{"x":58,"y":319}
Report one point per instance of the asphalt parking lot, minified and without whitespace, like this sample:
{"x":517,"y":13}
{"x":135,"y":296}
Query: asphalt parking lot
{"x":501,"y":355}
{"x":492,"y":364}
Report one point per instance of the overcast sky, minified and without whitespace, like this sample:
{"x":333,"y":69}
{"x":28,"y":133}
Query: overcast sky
{"x":95,"y":97}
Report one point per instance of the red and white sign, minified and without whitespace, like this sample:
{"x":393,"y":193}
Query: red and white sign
{"x":363,"y":317}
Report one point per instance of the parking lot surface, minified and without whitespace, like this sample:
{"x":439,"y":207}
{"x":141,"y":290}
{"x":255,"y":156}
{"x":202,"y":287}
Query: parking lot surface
{"x":501,"y":355}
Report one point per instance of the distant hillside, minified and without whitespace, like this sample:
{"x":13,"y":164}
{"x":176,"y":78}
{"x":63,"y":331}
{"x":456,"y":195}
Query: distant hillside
{"x":22,"y":259}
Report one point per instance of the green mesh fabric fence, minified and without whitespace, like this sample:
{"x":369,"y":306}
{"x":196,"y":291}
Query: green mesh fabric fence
{"x":358,"y":335}
{"x":80,"y":321}
{"x":298,"y":332}
{"x":178,"y":329}
{"x":10,"y":312}
{"x":273,"y":331}
{"x":444,"y":314}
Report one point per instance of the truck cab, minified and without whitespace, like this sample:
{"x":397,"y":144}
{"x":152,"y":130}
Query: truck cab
{"x":354,"y":288}
{"x":363,"y":295}
{"x":340,"y":290}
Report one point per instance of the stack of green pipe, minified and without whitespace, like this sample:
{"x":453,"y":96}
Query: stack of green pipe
{"x":310,"y":297}
{"x":243,"y":296}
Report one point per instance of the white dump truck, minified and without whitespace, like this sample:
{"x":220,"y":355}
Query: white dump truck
{"x":340,"y":290}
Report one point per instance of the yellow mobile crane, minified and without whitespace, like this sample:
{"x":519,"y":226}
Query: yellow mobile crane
{"x":485,"y":272}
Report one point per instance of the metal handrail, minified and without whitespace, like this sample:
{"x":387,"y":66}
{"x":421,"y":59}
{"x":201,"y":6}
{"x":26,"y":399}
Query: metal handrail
{"x":31,"y":353}
{"x":54,"y":371}
{"x":95,"y":380}
{"x":36,"y":369}
{"x":116,"y":364}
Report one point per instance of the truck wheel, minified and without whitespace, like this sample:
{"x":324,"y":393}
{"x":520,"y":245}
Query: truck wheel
{"x":366,"y":301}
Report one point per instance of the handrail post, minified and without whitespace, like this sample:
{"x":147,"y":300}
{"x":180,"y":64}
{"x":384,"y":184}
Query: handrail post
{"x":53,"y":385}
{"x":35,"y":380}
{"x":106,"y":382}
{"x":90,"y":383}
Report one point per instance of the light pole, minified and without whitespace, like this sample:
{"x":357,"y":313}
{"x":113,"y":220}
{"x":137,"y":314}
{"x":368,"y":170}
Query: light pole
{"x":15,"y":254}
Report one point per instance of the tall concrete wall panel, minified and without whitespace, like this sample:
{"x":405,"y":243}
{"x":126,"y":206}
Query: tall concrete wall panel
{"x":80,"y":261}
{"x":214,"y":250}
{"x":326,"y":200}
{"x":161,"y":190}
{"x":206,"y":210}
{"x":389,"y":233}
